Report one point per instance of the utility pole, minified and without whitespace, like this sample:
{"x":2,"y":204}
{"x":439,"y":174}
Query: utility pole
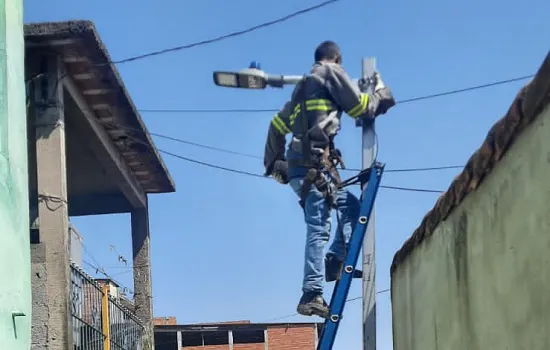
{"x":369,"y":266}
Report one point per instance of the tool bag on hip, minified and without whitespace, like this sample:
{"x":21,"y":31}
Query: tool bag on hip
{"x":326,"y":179}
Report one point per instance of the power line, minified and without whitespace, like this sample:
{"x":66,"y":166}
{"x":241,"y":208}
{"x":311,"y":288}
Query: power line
{"x":101,"y":270}
{"x":408,"y":170}
{"x":208,"y":110}
{"x":206,"y":146}
{"x":412,"y":189}
{"x":477,"y":87}
{"x":247,"y":173}
{"x":347,"y":301}
{"x":241,"y":172}
{"x":211,"y":165}
{"x":230,"y":35}
{"x":409,"y":100}
{"x":248,"y":155}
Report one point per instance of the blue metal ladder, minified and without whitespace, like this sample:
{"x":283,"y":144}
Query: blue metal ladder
{"x":372,"y":177}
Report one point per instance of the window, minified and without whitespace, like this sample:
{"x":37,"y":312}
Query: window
{"x":191,"y":338}
{"x":166,"y":341}
{"x":248,"y":337}
{"x":216,"y":338}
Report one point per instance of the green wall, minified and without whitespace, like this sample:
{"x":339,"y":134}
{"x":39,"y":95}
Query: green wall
{"x":15,"y":272}
{"x":481,"y":280}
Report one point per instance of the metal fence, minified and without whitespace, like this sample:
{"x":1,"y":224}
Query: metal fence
{"x":99,"y":322}
{"x":86,"y":311}
{"x":126,"y":331}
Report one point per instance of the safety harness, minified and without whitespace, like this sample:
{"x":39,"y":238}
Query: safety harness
{"x":324,"y":177}
{"x":322,"y":170}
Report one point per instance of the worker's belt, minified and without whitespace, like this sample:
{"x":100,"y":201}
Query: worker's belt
{"x":324,"y":176}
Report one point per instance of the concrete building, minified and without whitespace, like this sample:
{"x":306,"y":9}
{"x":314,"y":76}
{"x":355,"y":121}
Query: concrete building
{"x":89,"y":154}
{"x":475,"y":274}
{"x":15,"y":288}
{"x":235,"y":335}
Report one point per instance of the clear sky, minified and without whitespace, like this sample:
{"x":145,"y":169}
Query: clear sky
{"x":227,"y":246}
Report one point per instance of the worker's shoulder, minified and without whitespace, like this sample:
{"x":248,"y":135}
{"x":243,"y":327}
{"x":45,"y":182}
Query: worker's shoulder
{"x":327,"y":69}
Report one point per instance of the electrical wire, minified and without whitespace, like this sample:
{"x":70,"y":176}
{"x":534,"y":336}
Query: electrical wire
{"x":347,"y":301}
{"x":399,"y":102}
{"x":274,"y":110}
{"x":102,"y":271}
{"x":248,"y":155}
{"x":211,"y":165}
{"x":284,"y":317}
{"x":457,"y":91}
{"x":247,"y":173}
{"x":241,"y":172}
{"x":175,"y":139}
{"x":99,"y":269}
{"x":227,"y":36}
{"x":411,"y":189}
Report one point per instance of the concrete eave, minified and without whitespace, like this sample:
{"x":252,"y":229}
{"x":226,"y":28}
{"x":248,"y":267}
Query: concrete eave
{"x":89,"y":66}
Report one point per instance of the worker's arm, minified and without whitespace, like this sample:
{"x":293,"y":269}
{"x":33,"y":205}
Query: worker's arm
{"x":354,"y":102}
{"x":275,"y":144}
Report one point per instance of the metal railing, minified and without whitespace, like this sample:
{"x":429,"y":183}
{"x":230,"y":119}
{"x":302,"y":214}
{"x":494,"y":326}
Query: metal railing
{"x":86,"y":311}
{"x":126,"y":332}
{"x":99,"y":321}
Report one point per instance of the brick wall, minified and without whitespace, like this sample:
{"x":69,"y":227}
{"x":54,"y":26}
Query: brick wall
{"x":164,"y":321}
{"x":297,"y":338}
{"x":279,"y":338}
{"x":248,"y":346}
{"x":259,"y":346}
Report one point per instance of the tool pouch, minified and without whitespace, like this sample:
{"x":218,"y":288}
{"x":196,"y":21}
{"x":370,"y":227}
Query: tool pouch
{"x":325,"y":183}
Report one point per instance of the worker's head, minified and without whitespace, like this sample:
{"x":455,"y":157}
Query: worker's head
{"x":328,"y":51}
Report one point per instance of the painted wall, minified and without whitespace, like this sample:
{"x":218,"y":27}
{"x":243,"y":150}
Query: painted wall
{"x":481,"y":280}
{"x":15,"y":272}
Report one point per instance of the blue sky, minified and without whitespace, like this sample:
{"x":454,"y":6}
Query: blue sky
{"x":227,"y":246}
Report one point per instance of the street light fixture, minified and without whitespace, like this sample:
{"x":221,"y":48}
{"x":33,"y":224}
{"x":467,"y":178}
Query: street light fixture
{"x":253,"y":78}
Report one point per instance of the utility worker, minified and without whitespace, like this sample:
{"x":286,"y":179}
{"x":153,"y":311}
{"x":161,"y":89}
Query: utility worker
{"x":312,"y":116}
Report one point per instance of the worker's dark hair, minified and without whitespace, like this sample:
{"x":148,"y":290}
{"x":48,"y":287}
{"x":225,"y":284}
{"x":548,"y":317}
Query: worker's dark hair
{"x":327,"y":51}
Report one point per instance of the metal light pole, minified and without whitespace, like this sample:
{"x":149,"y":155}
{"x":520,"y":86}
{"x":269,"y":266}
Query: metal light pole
{"x":369,"y":266}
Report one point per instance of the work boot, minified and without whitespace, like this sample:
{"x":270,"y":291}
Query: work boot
{"x":313,"y":303}
{"x":333,"y":269}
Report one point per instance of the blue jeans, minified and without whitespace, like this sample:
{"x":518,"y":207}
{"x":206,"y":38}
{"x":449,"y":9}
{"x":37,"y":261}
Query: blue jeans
{"x":317,"y":218}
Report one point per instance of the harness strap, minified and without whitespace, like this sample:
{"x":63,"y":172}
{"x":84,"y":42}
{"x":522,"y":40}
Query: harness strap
{"x":306,"y":144}
{"x":311,"y":177}
{"x":326,"y":179}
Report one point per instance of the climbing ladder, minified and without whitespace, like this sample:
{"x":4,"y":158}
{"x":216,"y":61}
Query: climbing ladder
{"x":371,"y":177}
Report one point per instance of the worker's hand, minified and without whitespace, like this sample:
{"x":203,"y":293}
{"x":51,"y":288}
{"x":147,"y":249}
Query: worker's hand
{"x":280,"y":171}
{"x":378,"y":82}
{"x":383,"y":96}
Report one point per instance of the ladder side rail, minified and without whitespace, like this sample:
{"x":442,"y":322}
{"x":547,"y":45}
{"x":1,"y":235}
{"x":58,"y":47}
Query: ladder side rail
{"x":341,"y":289}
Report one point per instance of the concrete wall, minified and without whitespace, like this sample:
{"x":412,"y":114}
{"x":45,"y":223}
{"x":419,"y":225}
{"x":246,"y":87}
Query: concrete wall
{"x":15,"y":272}
{"x":481,"y":280}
